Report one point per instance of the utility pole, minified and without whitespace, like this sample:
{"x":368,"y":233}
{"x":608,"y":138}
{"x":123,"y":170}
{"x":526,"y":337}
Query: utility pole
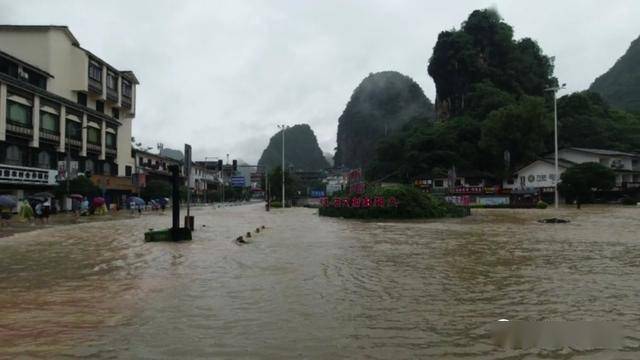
{"x":555,"y":140}
{"x":283,"y":127}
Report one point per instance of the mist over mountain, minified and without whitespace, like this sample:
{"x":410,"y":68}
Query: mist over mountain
{"x":620,"y":85}
{"x":380,"y":105}
{"x":301,"y":150}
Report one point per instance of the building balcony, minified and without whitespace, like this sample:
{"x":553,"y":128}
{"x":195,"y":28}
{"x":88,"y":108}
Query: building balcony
{"x":19,"y":129}
{"x":111,"y":151}
{"x":94,"y":147}
{"x":126,"y":102}
{"x":74,"y":142}
{"x":49,"y":135}
{"x":95,"y":86}
{"x":112,"y":95}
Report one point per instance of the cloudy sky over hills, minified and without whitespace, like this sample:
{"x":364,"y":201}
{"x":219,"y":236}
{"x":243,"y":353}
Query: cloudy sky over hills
{"x":221,"y":74}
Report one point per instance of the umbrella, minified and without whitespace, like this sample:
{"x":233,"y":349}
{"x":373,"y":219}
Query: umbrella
{"x":162,"y":201}
{"x":76,"y":196}
{"x":98,"y":201}
{"x":37,"y":198}
{"x":8,"y":201}
{"x":136,"y":200}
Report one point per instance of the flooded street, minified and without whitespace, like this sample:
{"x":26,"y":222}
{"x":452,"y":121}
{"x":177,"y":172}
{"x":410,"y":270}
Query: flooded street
{"x":317,"y":287}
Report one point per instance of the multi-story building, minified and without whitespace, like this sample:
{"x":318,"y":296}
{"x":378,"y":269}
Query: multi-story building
{"x":201,"y":180}
{"x":57,"y":98}
{"x":150,"y":167}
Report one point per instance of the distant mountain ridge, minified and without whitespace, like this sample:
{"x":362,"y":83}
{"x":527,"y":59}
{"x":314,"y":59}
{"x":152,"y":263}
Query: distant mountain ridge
{"x":620,"y":85}
{"x":381,"y":104}
{"x":301,"y":150}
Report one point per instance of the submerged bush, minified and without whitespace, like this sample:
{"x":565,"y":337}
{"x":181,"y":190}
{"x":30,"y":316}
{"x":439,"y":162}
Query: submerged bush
{"x":541,"y":205}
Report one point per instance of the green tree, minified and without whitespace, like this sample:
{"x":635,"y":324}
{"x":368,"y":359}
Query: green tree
{"x":275,"y":184}
{"x":80,"y":185}
{"x":579,"y":182}
{"x":156,"y":189}
{"x":520,"y":129}
{"x":483,"y":49}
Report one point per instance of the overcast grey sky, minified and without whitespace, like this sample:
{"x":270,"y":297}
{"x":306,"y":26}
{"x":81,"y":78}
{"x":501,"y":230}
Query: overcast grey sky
{"x":221,"y":74}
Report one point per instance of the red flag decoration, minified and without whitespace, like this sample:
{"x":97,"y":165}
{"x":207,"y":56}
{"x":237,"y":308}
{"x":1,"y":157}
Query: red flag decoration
{"x":355,"y":202}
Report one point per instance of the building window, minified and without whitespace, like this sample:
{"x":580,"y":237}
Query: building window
{"x":35,"y":79}
{"x":13,"y":156}
{"x":100,"y":106}
{"x":141,"y":161}
{"x":106,"y":168}
{"x":127,"y":170}
{"x":438,"y":183}
{"x":95,"y":71}
{"x":126,"y":88}
{"x":110,"y":140}
{"x":112,"y":81}
{"x":82,"y":99}
{"x":8,"y":67}
{"x":49,"y":123}
{"x":18,"y":114}
{"x":116,"y":113}
{"x":74,"y":130}
{"x":93,"y":135}
{"x":89,"y":166}
{"x":44,"y":160}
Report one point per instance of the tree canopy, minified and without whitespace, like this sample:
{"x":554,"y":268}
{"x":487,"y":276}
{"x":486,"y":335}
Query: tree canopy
{"x":484,"y":50}
{"x":579,"y":182}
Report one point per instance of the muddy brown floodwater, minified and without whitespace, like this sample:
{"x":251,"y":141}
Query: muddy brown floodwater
{"x":317,"y":287}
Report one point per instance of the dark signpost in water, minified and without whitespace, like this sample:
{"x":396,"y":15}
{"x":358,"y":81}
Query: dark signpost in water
{"x":175,"y":233}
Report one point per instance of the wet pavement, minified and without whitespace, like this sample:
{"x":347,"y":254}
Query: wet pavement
{"x":317,"y":287}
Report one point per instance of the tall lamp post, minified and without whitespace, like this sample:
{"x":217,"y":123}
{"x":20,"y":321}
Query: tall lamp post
{"x":555,"y":139}
{"x":283,"y":127}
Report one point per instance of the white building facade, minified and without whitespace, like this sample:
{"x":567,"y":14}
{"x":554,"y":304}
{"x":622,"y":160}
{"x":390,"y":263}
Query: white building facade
{"x":540,"y":174}
{"x":58,"y":98}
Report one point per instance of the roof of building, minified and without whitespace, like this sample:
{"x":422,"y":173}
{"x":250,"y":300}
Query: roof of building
{"x":24,"y":63}
{"x":64,"y":28}
{"x":561,"y":163}
{"x":125,"y":73}
{"x":602,"y":151}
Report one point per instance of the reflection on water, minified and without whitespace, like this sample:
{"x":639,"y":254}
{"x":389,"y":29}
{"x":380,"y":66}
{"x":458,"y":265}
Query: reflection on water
{"x":317,"y":287}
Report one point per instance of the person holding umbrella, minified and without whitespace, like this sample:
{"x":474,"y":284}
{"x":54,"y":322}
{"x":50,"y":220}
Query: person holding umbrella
{"x":7,"y":203}
{"x":76,"y":199}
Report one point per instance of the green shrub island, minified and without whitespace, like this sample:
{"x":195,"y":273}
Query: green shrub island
{"x":397,"y":202}
{"x":541,"y":205}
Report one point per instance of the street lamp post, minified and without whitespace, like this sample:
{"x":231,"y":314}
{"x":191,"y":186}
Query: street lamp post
{"x":283,"y":127}
{"x":555,"y":140}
